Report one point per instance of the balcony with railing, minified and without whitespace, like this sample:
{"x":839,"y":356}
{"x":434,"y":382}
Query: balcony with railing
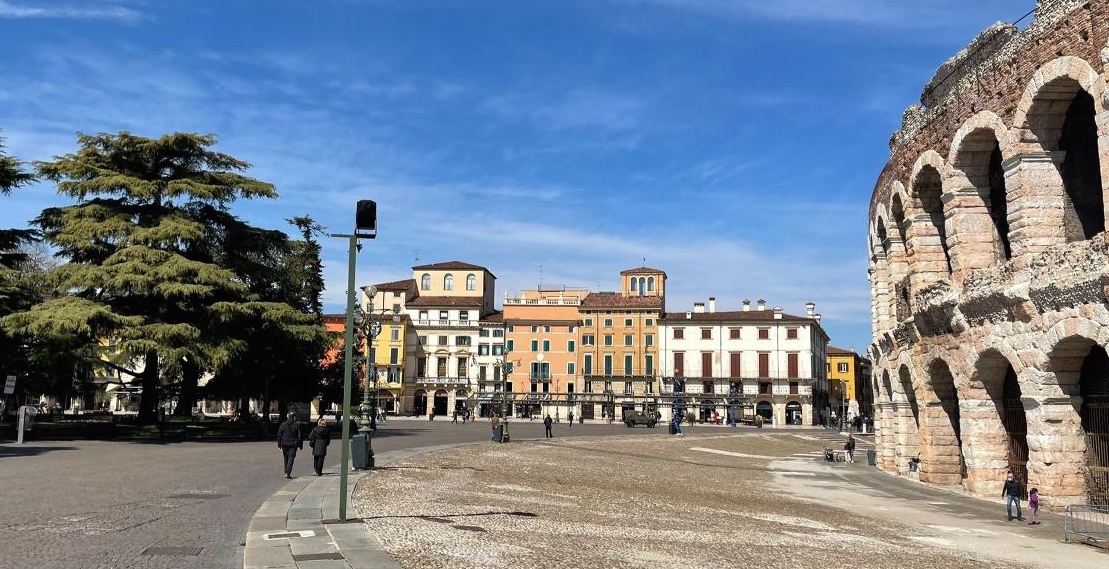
{"x":558,"y":301}
{"x":449,"y":381}
{"x":445,"y":323}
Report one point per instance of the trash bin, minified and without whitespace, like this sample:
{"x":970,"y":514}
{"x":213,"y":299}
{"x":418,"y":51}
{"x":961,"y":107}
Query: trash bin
{"x":672,"y":428}
{"x":871,"y":457}
{"x":358,"y":456}
{"x":498,"y":433}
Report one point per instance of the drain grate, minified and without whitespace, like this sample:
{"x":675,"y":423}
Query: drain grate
{"x":319,"y":557}
{"x":173,"y":551}
{"x":470,"y":528}
{"x":198,"y":496}
{"x":289,"y":534}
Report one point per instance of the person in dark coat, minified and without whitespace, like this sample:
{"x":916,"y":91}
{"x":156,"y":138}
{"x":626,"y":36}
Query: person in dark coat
{"x":318,"y":439}
{"x":289,"y":441}
{"x":849,"y":446}
{"x":547,"y":425}
{"x":1011,"y":492}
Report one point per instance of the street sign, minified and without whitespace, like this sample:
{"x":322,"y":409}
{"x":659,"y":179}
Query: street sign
{"x":9,"y":385}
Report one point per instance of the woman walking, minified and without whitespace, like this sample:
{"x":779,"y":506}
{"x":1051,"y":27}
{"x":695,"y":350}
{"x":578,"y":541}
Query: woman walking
{"x":318,"y":439}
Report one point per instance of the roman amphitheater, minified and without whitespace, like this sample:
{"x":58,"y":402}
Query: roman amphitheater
{"x":988,"y":265}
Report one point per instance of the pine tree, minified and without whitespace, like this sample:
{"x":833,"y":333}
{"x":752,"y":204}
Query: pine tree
{"x":142,"y":268}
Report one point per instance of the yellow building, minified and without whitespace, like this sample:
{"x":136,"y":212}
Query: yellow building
{"x":848,"y":384}
{"x":389,"y":349}
{"x":619,"y":342}
{"x":542,"y":334}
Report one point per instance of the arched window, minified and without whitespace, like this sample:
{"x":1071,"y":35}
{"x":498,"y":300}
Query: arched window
{"x":650,"y":284}
{"x":448,"y":282}
{"x":635,"y":284}
{"x":425,"y":282}
{"x":471,"y":282}
{"x":1083,"y":214}
{"x":642,"y":286}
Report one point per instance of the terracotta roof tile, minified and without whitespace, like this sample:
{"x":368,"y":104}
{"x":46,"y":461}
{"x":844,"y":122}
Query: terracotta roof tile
{"x":397,"y":285}
{"x":435,"y":301}
{"x":832,"y":350}
{"x":596,"y":300}
{"x":643,"y":270}
{"x":449,"y":265}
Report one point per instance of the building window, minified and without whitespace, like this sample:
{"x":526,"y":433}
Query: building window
{"x":791,"y":333}
{"x":842,"y":367}
{"x":448,"y":282}
{"x":608,"y":323}
{"x":650,"y":284}
{"x":394,"y":356}
{"x":471,"y":282}
{"x":706,"y":386}
{"x":706,"y":364}
{"x":733,"y":333}
{"x":588,"y":321}
{"x":679,"y":333}
{"x":534,"y":328}
{"x":648,"y":365}
{"x":443,"y":340}
{"x":635,"y":284}
{"x":764,"y":365}
{"x":649,"y":322}
{"x":498,"y":349}
{"x":463,"y":315}
{"x":570,"y":371}
{"x":444,"y":316}
{"x":608,"y":339}
{"x":483,"y":349}
{"x":627,"y":388}
{"x":570,"y":346}
{"x":608,"y":364}
{"x":649,"y":340}
{"x":649,"y":386}
{"x":588,"y":386}
{"x":627,"y":322}
{"x":547,"y":328}
{"x":765,"y":387}
{"x":463,"y":368}
{"x":734,"y":364}
{"x":628,"y":365}
{"x":508,"y":345}
{"x":679,"y":364}
{"x":587,"y":367}
{"x":535,"y":345}
{"x":462,"y":341}
{"x":588,"y":339}
{"x":764,"y":333}
{"x":425,"y":282}
{"x":483,"y":333}
{"x":706,"y":333}
{"x":792,"y":366}
{"x":627,"y":339}
{"x":571,"y":328}
{"x":394,"y":334}
{"x":546,"y":345}
{"x":423,"y":340}
{"x":440,"y":367}
{"x":793,"y":388}
{"x":423,"y":315}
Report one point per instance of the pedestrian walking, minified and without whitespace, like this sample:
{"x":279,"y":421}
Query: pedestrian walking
{"x":547,"y":425}
{"x":849,"y":446}
{"x":289,"y":441}
{"x":318,"y":439}
{"x":496,"y":422}
{"x":1034,"y":506}
{"x":454,"y":417}
{"x":570,"y":416}
{"x":1011,"y":492}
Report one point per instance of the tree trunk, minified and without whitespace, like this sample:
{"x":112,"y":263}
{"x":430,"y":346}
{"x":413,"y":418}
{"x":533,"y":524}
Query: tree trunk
{"x":186,"y":398}
{"x":148,"y":402}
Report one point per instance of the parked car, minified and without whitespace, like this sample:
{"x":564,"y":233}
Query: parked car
{"x":633,"y":418}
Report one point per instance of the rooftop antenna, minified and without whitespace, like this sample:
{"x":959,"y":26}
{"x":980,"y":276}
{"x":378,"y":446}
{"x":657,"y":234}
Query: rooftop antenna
{"x":540,"y":276}
{"x":417,"y":254}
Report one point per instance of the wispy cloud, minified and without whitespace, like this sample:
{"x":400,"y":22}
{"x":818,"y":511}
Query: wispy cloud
{"x":582,"y":108}
{"x":72,"y":12}
{"x":894,"y":13}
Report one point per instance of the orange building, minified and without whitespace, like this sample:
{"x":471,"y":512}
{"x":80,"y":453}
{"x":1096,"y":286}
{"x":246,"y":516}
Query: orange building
{"x":542,"y":341}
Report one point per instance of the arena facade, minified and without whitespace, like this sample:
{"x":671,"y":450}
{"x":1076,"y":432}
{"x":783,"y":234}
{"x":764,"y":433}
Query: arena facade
{"x":988,"y":265}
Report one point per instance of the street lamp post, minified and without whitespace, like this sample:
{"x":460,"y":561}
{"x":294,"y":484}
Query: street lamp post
{"x":365,"y":227}
{"x":370,"y":327}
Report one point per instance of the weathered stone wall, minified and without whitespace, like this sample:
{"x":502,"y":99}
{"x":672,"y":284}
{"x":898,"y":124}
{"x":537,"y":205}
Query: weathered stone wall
{"x":944,"y":292}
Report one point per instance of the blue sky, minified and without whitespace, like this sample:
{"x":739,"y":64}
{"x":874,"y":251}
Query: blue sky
{"x":732,"y":143}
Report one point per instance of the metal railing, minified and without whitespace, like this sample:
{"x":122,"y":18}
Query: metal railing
{"x":1087,"y":523}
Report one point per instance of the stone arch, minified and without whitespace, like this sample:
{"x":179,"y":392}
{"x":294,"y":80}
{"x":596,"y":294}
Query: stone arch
{"x":887,"y":387}
{"x":928,"y":223}
{"x":898,"y":259}
{"x":1076,"y":436}
{"x":880,"y":258}
{"x":977,"y":192}
{"x":906,"y":420}
{"x":1057,"y":117}
{"x":995,"y":424}
{"x":942,"y":458}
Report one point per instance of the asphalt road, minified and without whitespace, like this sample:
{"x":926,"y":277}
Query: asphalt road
{"x":120,"y":505}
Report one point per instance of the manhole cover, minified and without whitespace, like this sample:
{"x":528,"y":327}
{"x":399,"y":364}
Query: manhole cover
{"x":469,"y":528}
{"x":173,"y":551}
{"x":319,"y":557}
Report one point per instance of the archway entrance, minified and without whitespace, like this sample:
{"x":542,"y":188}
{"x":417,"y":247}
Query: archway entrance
{"x":765,"y":409}
{"x":419,"y":403}
{"x":1016,"y":428}
{"x":707,"y":408}
{"x":943,"y":463}
{"x":440,"y":403}
{"x":908,"y":422}
{"x":793,"y":413}
{"x":1094,"y":413}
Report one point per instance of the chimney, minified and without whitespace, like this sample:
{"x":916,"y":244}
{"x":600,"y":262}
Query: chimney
{"x":712,"y":304}
{"x":762,"y":304}
{"x":688,"y":315}
{"x":699,"y":307}
{"x":817,"y":318}
{"x":746,"y":305}
{"x":809,"y":308}
{"x":777,"y":312}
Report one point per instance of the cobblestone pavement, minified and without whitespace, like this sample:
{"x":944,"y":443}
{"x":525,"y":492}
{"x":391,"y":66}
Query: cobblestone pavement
{"x":101,"y":504}
{"x":741,"y":499}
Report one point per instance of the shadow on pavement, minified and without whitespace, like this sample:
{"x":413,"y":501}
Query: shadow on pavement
{"x":11,"y":449}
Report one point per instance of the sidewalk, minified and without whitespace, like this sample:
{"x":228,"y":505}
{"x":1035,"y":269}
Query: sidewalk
{"x":298,"y":526}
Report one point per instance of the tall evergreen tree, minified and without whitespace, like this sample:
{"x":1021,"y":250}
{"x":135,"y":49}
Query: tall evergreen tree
{"x":141,"y":268}
{"x":17,"y":291}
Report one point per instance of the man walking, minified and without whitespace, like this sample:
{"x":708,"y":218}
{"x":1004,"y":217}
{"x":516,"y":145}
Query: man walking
{"x":571,"y":417}
{"x":1011,"y":492}
{"x":849,"y":447}
{"x":289,"y":441}
{"x":547,"y":425}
